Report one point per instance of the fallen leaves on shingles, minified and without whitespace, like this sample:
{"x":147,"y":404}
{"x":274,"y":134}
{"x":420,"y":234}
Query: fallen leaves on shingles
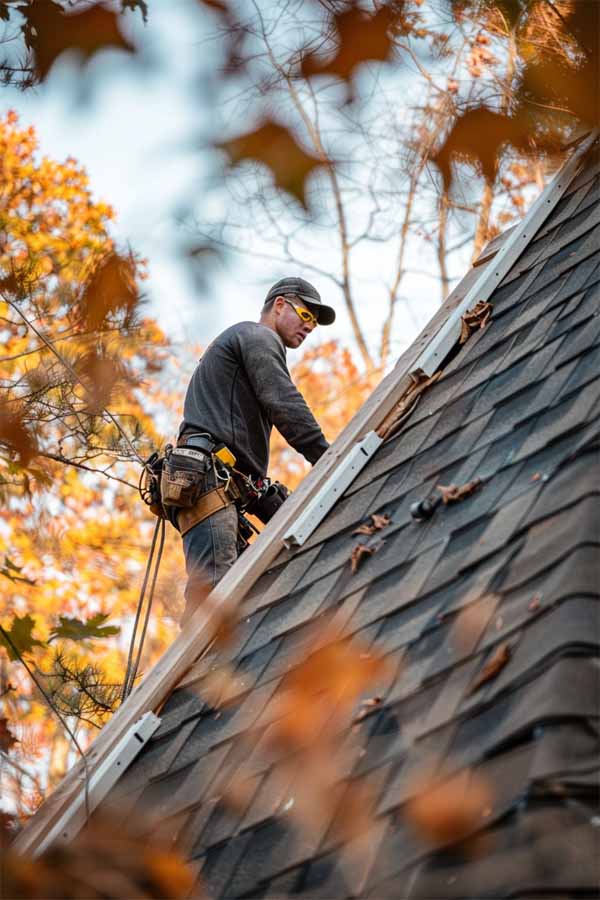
{"x":376,"y":524}
{"x":360,"y":552}
{"x":453,"y":493}
{"x":535,"y":602}
{"x":493,"y":667}
{"x":475,"y":319}
{"x":450,"y":811}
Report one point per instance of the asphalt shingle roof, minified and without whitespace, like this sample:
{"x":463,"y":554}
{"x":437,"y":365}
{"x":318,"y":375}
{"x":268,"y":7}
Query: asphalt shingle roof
{"x":519,"y":408}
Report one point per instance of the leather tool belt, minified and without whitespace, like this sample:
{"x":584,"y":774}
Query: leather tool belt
{"x":208,"y":504}
{"x":198,"y":451}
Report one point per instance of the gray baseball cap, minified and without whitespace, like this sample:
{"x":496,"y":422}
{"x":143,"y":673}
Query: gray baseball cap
{"x":307,"y":293}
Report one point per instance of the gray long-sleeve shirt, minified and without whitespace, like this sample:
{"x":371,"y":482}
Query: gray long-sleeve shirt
{"x":240,"y":389}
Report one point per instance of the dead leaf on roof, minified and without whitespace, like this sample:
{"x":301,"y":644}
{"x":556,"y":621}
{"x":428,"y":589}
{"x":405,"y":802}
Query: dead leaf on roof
{"x":360,"y":552}
{"x":535,"y":602}
{"x":475,"y":319}
{"x":536,"y":476}
{"x":493,"y":667}
{"x":448,"y":812}
{"x":376,"y":524}
{"x":453,"y":493}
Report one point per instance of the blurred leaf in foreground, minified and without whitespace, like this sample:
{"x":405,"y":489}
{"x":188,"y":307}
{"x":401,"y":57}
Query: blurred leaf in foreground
{"x":49,"y":31}
{"x":479,"y":136}
{"x":360,"y":37}
{"x":14,"y":434}
{"x":277,"y":148}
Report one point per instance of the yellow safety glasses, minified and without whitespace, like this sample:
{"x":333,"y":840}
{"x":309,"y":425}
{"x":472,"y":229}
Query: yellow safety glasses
{"x":304,"y":314}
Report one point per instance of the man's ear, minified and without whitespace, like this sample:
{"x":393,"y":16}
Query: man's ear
{"x":279,"y":304}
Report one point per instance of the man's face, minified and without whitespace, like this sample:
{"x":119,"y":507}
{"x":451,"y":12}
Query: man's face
{"x":289,"y":325}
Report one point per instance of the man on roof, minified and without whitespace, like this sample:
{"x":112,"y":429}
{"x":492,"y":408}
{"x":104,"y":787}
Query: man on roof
{"x":240,"y":389}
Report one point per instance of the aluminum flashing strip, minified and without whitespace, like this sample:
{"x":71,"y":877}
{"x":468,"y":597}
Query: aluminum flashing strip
{"x":332,"y":490}
{"x":432,"y":357}
{"x":504,"y":260}
{"x":101,"y":782}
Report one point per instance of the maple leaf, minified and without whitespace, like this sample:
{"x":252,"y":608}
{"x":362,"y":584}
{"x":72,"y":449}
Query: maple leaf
{"x":360,"y":552}
{"x":49,"y":31}
{"x":453,"y":493}
{"x":377,"y":522}
{"x":360,"y":37}
{"x":19,"y":638}
{"x":73,"y":629}
{"x":479,"y":136}
{"x":276,"y":147}
{"x":492,"y":668}
{"x":7,"y":738}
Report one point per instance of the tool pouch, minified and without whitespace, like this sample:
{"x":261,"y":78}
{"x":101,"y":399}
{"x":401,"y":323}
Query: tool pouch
{"x":150,"y":485}
{"x":269,"y":502}
{"x":183,"y":477}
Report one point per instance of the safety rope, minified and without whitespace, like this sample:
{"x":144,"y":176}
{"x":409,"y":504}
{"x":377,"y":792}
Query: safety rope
{"x":132,"y":668}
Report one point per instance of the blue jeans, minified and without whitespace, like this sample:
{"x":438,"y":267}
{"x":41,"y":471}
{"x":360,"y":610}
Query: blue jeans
{"x":210,"y":548}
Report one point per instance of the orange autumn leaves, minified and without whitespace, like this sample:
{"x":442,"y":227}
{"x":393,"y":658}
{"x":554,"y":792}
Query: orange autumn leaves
{"x":103,"y":861}
{"x":73,"y":534}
